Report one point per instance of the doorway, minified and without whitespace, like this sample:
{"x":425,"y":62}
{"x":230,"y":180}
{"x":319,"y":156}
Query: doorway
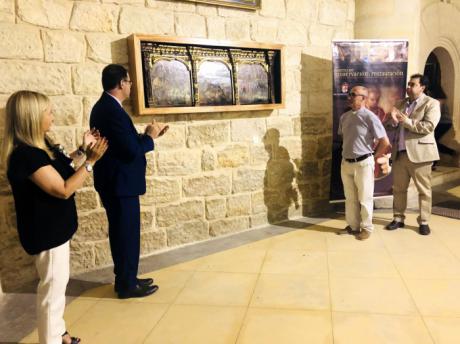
{"x":439,"y":69}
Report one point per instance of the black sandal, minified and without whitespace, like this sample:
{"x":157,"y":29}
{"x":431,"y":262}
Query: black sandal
{"x":73,"y":340}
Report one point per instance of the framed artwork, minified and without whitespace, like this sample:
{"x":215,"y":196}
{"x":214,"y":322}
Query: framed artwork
{"x":179,"y":75}
{"x":247,"y":4}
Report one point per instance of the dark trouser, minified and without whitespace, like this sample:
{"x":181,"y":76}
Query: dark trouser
{"x":439,"y":132}
{"x":123,"y":214}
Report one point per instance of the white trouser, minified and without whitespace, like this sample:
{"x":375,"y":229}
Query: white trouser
{"x":358,"y":186}
{"x":53,"y":270}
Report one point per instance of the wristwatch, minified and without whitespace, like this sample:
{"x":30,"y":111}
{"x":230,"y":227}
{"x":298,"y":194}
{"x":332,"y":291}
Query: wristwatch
{"x":81,"y":151}
{"x":88,"y":166}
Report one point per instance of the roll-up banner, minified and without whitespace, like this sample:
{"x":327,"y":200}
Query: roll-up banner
{"x":379,"y":65}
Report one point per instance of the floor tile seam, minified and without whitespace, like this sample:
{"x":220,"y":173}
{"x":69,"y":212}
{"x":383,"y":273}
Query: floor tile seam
{"x":272,"y":307}
{"x":456,"y":256}
{"x":129,"y":301}
{"x":230,"y":272}
{"x":298,"y":310}
{"x":401,"y":278}
{"x":424,"y":253}
{"x":442,"y":316}
{"x":414,"y":315}
{"x":364,"y":311}
{"x":147,"y":334}
{"x":367,"y":278}
{"x":379,"y":251}
{"x":439,"y":238}
{"x":301,"y":250}
{"x":201,"y":305}
{"x":294,"y":274}
{"x":70,"y":324}
{"x":297,"y":250}
{"x":84,"y":313}
{"x":407,"y":276}
{"x":399,"y":252}
{"x":411,"y":296}
{"x":298,"y":273}
{"x":243,"y":321}
{"x":434,"y":278}
{"x":330,"y":295}
{"x":383,"y":255}
{"x":169,"y":307}
{"x":363,"y":277}
{"x":140,"y":302}
{"x":357,"y":251}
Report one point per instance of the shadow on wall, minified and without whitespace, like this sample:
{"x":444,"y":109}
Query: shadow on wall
{"x":293,"y":181}
{"x":280,"y":186}
{"x":16,"y":266}
{"x":316,"y":127}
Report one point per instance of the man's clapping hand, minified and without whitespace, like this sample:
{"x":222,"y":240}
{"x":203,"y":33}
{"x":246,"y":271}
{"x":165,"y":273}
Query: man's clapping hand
{"x":398,"y":116}
{"x":156,"y":129}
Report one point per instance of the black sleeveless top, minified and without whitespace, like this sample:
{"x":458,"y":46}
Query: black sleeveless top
{"x":43,"y":221}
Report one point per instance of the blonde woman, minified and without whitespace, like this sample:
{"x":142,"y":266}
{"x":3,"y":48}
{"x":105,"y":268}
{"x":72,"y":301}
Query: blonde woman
{"x":44,"y":181}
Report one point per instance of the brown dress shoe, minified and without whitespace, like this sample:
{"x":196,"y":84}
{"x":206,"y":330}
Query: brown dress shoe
{"x":351,"y":230}
{"x":363,"y":235}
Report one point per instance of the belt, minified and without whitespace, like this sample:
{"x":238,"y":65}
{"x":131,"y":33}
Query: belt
{"x":360,"y":158}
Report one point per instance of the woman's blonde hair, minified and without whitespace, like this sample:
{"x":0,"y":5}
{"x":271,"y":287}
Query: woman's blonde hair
{"x":23,"y":122}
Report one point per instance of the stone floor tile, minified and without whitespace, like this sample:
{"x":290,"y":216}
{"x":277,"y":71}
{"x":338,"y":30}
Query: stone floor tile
{"x":361,"y":264}
{"x":198,"y":324}
{"x":291,"y":291}
{"x":371,"y":295}
{"x":353,"y":328}
{"x":311,"y":263}
{"x":436,"y":297}
{"x":267,"y":326}
{"x":218,"y":288}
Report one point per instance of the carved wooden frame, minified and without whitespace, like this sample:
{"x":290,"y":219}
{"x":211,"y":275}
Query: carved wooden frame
{"x":240,"y":51}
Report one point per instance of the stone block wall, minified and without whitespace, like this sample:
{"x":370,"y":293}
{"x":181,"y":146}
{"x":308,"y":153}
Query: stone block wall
{"x":212,"y":174}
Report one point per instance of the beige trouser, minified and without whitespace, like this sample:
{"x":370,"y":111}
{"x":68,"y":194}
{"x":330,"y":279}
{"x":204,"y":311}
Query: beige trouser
{"x":53,"y":270}
{"x":403,"y":171}
{"x":358,"y":186}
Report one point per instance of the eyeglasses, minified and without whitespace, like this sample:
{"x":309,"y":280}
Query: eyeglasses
{"x":353,"y":95}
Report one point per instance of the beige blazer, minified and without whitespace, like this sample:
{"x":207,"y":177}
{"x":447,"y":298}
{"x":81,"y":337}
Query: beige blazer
{"x":419,"y":130}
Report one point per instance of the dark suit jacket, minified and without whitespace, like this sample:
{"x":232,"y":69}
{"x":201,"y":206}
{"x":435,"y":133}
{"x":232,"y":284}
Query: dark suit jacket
{"x":121,"y":171}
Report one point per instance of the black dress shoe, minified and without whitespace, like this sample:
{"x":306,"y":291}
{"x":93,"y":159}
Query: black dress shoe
{"x":424,"y":229}
{"x":139,"y":291}
{"x":394,"y":225}
{"x":144,"y":282}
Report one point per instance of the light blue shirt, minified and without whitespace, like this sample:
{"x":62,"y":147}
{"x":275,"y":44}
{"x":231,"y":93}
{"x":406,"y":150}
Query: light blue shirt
{"x":359,"y":129}
{"x":402,"y":137}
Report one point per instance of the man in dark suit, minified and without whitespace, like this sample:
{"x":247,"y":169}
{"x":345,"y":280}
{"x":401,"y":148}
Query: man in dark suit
{"x":119,"y":178}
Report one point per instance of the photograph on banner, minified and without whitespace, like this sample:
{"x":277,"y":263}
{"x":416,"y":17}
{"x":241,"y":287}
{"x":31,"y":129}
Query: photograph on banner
{"x":381,"y":67}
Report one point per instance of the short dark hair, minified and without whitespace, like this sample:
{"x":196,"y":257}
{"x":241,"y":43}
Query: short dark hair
{"x":112,"y":75}
{"x":423,"y":79}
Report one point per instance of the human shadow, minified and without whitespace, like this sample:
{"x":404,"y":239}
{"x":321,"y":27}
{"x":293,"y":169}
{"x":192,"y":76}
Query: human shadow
{"x":280,"y":189}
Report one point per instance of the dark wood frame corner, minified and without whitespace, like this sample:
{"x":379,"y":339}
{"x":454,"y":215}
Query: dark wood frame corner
{"x":135,"y":69}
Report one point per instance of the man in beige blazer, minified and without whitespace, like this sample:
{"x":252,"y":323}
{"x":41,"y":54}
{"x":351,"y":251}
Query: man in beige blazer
{"x":414,"y":150}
